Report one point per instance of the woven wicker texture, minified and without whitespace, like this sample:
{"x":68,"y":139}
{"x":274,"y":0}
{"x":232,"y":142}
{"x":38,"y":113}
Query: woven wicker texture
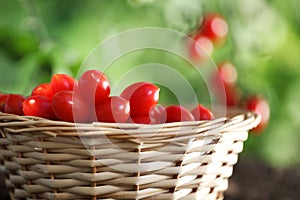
{"x":57,"y":160}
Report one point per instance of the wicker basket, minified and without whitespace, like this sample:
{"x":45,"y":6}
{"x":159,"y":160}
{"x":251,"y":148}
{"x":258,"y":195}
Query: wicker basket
{"x":46,"y":159}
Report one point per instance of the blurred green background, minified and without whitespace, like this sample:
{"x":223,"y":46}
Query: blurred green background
{"x":39,"y":38}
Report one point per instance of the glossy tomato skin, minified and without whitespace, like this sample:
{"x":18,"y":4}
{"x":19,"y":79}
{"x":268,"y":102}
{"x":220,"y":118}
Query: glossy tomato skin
{"x":60,"y":82}
{"x":226,"y":75}
{"x":142,"y":96}
{"x":94,"y":86}
{"x":39,"y":106}
{"x":43,"y":89}
{"x":233,"y":96}
{"x":225,"y":82}
{"x":14,"y":103}
{"x":140,"y":120}
{"x":200,"y":112}
{"x":177,"y":113}
{"x":158,"y":114}
{"x":261,"y":106}
{"x":3,"y":99}
{"x":128,"y":91}
{"x":201,"y":48}
{"x":113,"y":109}
{"x":69,"y":107}
{"x":214,"y":27}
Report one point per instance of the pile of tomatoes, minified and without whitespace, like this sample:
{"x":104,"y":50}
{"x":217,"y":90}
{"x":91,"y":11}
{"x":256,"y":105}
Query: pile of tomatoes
{"x":88,"y":100}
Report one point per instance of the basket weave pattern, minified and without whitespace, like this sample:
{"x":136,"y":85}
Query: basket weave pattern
{"x":57,"y":160}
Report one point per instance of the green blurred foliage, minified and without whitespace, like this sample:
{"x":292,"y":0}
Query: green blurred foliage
{"x":39,"y":38}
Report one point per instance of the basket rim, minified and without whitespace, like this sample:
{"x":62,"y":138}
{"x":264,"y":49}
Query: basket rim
{"x":239,"y":120}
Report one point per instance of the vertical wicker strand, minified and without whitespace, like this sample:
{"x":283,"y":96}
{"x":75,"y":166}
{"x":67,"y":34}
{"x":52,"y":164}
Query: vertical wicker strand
{"x":179,"y":164}
{"x":138,"y":174}
{"x":52,"y":177}
{"x":94,"y":171}
{"x":13,"y":172}
{"x":4,"y":158}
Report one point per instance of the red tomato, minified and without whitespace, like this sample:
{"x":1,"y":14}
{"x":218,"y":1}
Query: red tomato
{"x":261,"y":106}
{"x":214,"y":27}
{"x":69,"y":107}
{"x":113,"y":109}
{"x":127,"y":92}
{"x":227,"y":74}
{"x":140,"y":120}
{"x":201,"y":48}
{"x":158,"y":114}
{"x":233,"y":96}
{"x":142,"y":96}
{"x":94,"y":86}
{"x":60,"y":82}
{"x":225,"y":80}
{"x":202,"y":113}
{"x":13,"y":104}
{"x":39,"y":106}
{"x":178,"y":113}
{"x":3,"y":99}
{"x":43,"y":89}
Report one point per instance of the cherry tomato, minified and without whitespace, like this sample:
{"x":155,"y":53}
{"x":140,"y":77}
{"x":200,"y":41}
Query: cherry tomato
{"x":128,"y":91}
{"x":259,"y":105}
{"x":13,"y":104}
{"x":200,"y":112}
{"x":233,"y":96}
{"x":113,"y":109}
{"x":43,"y":89}
{"x":3,"y":99}
{"x":69,"y":107}
{"x":178,"y":113}
{"x":214,"y":27}
{"x":201,"y":48}
{"x":94,"y":86}
{"x":226,"y":75}
{"x":142,"y":96}
{"x":60,"y":82}
{"x":140,"y":120}
{"x":225,"y":81}
{"x":158,"y":114}
{"x":39,"y":106}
